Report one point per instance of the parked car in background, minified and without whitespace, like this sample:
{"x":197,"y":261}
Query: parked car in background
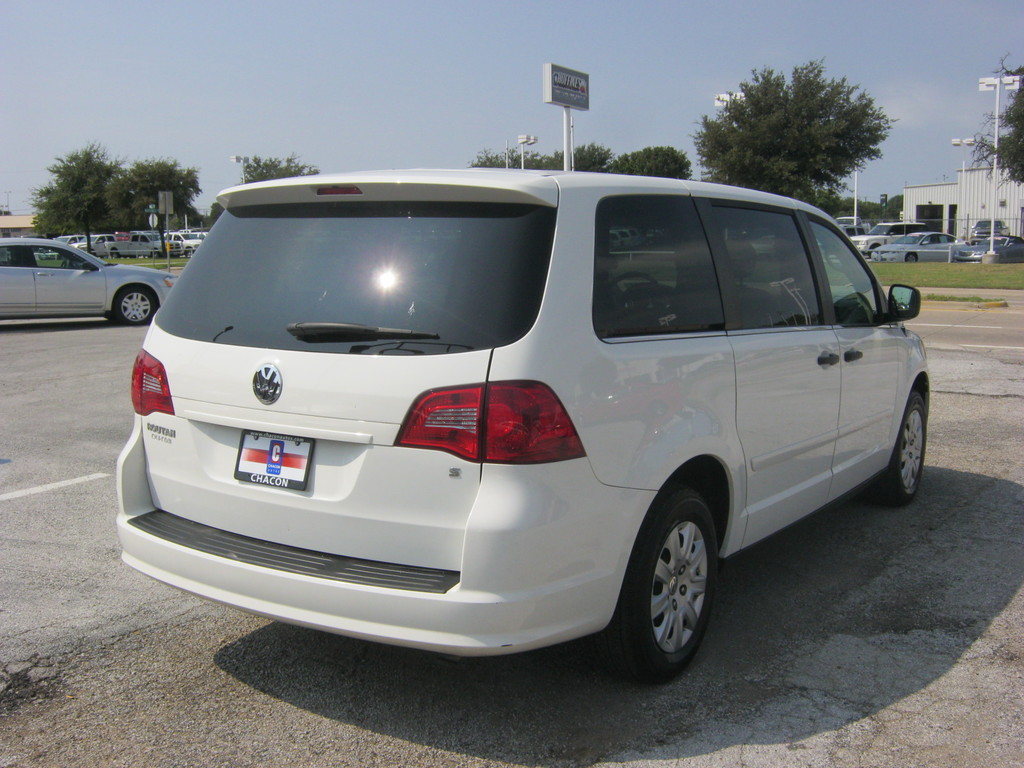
{"x":480,"y":412}
{"x":70,"y":239}
{"x":185,"y":243}
{"x":1011,"y":254}
{"x":923,"y":246}
{"x":138,"y":245}
{"x":886,"y":232}
{"x":982,"y":230}
{"x":852,"y":225}
{"x":854,"y":230}
{"x":97,"y":244}
{"x":972,"y":254}
{"x":43,"y":278}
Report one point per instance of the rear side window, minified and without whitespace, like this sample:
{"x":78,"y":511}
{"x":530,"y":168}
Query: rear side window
{"x":449,"y":277}
{"x":773,"y":282}
{"x":653,"y":272}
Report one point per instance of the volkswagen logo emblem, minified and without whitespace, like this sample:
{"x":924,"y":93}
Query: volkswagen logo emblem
{"x":267,"y":383}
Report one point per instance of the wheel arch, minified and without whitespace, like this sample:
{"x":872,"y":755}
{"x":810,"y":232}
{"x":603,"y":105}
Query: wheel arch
{"x":116,"y":311}
{"x":922,"y":386}
{"x":709,"y":477}
{"x":155,"y":294}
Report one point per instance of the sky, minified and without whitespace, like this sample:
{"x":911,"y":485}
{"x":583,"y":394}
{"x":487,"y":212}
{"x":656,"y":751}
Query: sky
{"x":384,"y":84}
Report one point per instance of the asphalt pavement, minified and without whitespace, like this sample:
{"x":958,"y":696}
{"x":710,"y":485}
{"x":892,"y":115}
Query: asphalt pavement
{"x":862,"y":636}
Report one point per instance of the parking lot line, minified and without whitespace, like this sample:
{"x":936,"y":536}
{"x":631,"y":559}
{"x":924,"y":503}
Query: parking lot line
{"x":988,"y":346}
{"x":958,"y":325}
{"x":51,"y":486}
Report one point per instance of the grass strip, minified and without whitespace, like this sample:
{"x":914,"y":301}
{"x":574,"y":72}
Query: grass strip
{"x":1005,"y":277}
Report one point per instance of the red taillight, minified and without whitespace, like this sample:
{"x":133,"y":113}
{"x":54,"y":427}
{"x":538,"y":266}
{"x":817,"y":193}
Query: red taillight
{"x":446,"y":420}
{"x":527,"y":424}
{"x":346,"y":190}
{"x":150,"y":390}
{"x":513,"y":422}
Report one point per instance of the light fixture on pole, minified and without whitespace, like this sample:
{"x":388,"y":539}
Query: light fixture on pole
{"x":1009,"y":83}
{"x":723,"y":99}
{"x":963,"y":143}
{"x":243,"y":161}
{"x":523,"y":139}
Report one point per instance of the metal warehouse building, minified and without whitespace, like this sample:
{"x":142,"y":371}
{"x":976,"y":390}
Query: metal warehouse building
{"x":954,"y":207}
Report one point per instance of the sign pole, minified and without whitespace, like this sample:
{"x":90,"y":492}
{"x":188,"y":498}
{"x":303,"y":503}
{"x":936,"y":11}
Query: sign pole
{"x":570,"y":89}
{"x":567,"y":140}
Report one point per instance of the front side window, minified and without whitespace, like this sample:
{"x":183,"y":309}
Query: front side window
{"x":653,"y":272}
{"x":774,"y":285}
{"x":852,"y":290}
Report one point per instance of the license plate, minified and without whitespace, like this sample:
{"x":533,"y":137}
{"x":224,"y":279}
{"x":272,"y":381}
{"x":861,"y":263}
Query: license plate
{"x":279,"y":461}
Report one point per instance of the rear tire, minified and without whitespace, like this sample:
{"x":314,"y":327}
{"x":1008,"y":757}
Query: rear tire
{"x":667,"y":593}
{"x":898,"y":484}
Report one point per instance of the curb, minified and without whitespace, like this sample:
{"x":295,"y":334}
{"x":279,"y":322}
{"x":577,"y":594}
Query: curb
{"x":972,"y":304}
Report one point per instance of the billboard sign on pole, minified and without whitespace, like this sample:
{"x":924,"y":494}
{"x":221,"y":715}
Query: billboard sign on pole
{"x":566,"y":87}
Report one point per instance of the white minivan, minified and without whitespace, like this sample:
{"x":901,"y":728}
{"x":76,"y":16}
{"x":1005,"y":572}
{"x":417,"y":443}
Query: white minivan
{"x":458,"y":411}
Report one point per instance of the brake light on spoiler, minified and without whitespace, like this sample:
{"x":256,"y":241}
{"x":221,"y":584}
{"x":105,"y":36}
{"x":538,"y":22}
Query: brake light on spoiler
{"x":348,"y":189}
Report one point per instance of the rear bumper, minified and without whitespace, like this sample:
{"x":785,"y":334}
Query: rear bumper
{"x":461,"y":621}
{"x":542,"y":563}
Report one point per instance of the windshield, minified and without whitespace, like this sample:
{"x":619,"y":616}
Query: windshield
{"x":907,"y":240}
{"x":880,"y":229}
{"x":438,"y":277}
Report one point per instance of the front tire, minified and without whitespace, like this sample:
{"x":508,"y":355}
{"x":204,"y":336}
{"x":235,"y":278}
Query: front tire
{"x":900,"y":481}
{"x":667,"y":593}
{"x":134,"y":305}
{"x":911,"y":257}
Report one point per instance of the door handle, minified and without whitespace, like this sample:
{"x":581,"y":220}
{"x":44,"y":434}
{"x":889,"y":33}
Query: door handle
{"x":828,"y":358}
{"x":852,"y":354}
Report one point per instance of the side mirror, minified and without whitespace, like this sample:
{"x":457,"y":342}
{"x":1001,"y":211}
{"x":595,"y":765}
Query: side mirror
{"x":904,"y":302}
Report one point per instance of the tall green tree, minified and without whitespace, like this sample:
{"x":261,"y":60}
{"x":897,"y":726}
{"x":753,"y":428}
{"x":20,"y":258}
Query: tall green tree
{"x":265,"y":168}
{"x":75,"y":198}
{"x":259,"y":168}
{"x":1011,"y":133}
{"x":588,"y":157}
{"x":665,"y":162}
{"x":593,"y":157}
{"x":137,"y":187}
{"x":866,"y":209}
{"x":489,"y":158}
{"x":802,"y":138}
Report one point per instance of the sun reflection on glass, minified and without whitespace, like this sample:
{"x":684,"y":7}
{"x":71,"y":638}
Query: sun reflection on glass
{"x":386,"y":280}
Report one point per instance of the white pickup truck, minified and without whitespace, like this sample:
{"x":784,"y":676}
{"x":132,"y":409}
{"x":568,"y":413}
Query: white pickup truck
{"x":134,"y":244}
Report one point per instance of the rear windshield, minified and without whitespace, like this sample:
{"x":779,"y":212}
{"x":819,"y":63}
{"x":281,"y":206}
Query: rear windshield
{"x":438,"y":278}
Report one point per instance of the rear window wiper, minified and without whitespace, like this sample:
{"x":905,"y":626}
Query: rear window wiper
{"x":325,"y":332}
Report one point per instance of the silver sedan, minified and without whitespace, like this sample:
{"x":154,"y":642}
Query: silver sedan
{"x":920,"y":246}
{"x":44,"y":278}
{"x":972,"y":254}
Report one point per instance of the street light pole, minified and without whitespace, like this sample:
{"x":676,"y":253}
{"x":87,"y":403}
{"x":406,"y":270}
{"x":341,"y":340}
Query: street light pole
{"x":239,"y":159}
{"x":524,"y":139}
{"x":1011,"y":83}
{"x":963,"y":144}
